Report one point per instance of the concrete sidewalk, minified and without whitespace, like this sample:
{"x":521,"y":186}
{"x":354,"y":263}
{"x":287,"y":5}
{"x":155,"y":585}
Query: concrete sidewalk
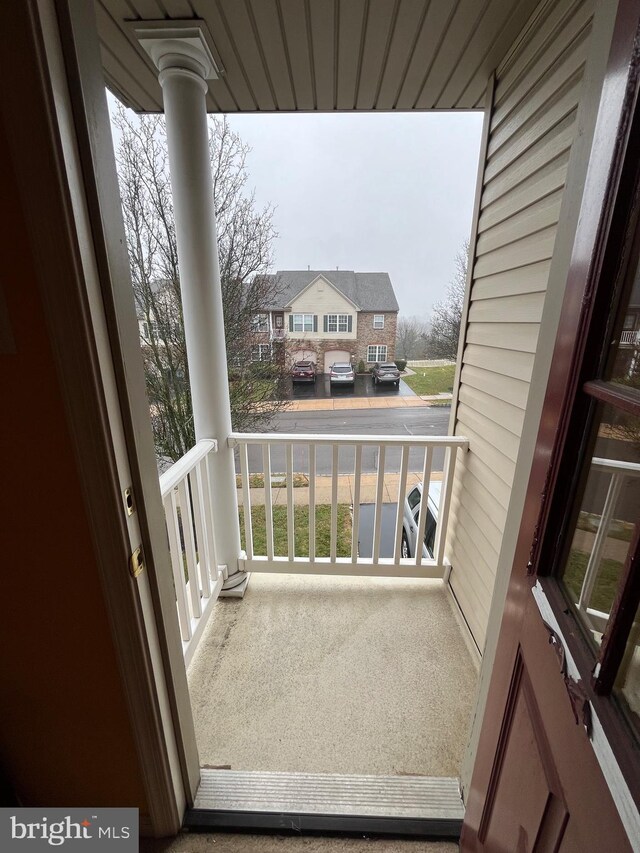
{"x":368,"y":485}
{"x":337,"y":404}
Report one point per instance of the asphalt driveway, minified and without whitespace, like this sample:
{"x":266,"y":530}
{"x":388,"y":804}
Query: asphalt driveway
{"x":363,"y":387}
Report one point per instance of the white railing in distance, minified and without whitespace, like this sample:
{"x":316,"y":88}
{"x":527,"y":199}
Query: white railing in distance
{"x":298,"y":454}
{"x":197,"y":577}
{"x":619,"y":472}
{"x":630,"y":338}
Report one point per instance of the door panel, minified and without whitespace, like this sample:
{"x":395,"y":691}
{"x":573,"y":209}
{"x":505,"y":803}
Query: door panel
{"x":546,"y":790}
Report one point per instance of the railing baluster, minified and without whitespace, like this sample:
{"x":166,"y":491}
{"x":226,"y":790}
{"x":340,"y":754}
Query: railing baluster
{"x":190,"y":548}
{"x":402,"y":488}
{"x":173,"y":530}
{"x":355,"y":532}
{"x":290,"y":506}
{"x":334,"y":503}
{"x":312,"y":503}
{"x":422,"y":517}
{"x":445,"y":503}
{"x":204,"y":558}
{"x":377,"y":522}
{"x":246,"y":500}
{"x":209,"y":522}
{"x":268,"y":506}
{"x":186,"y":489}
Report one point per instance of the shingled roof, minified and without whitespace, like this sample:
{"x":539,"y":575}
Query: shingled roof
{"x":370,"y":291}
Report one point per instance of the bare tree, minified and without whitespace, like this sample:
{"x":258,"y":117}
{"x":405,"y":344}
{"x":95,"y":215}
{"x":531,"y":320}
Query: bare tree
{"x":245,"y":239}
{"x":411,"y":337}
{"x":446,"y":315}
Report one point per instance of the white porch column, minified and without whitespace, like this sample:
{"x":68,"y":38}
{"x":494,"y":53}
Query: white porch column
{"x":185,"y":63}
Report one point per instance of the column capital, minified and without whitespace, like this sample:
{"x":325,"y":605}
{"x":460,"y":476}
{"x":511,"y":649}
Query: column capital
{"x":174,"y":45}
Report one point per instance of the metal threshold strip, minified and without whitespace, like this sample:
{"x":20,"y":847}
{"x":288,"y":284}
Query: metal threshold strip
{"x":325,"y":802}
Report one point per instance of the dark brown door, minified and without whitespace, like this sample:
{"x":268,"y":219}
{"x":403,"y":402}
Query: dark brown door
{"x":558,"y":763}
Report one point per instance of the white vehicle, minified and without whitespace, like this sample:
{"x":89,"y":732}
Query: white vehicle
{"x":411,"y":520}
{"x":342,"y":374}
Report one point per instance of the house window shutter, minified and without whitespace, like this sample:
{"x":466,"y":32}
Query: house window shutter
{"x":350,"y":323}
{"x":325,"y":323}
{"x":291,"y":322}
{"x":315,"y":322}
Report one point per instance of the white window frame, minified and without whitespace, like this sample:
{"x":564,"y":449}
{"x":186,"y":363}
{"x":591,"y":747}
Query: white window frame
{"x":337,"y":322}
{"x":260,"y":322}
{"x":259,"y":350}
{"x":378,"y":321}
{"x":377,"y":359}
{"x":303,"y":322}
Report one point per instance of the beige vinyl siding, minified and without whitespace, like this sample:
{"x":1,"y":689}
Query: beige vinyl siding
{"x":532,"y":128}
{"x":321,"y":298}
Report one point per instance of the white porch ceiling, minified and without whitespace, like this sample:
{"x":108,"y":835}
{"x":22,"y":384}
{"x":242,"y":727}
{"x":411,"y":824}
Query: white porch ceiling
{"x":324,"y":55}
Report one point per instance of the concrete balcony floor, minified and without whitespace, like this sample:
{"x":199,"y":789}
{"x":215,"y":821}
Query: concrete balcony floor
{"x":334,"y":675}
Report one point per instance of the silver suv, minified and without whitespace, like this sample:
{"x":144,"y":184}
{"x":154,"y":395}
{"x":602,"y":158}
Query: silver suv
{"x":342,"y":374}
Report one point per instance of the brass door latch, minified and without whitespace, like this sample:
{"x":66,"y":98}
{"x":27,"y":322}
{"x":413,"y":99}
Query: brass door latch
{"x":136,"y":563}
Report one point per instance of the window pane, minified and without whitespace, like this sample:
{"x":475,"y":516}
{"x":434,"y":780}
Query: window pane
{"x":606,"y":521}
{"x":430,"y":533}
{"x":627,"y":685}
{"x":626,"y":366}
{"x":414,"y":498}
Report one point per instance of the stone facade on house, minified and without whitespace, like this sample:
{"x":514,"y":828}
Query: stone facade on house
{"x":369,"y":335}
{"x":328,"y":317}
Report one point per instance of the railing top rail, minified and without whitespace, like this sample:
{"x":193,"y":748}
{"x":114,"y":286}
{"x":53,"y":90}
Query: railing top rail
{"x":616,"y":466}
{"x":179,"y":470}
{"x":238,"y":438}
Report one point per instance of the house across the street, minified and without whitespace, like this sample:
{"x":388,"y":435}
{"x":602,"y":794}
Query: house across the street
{"x":328,"y":317}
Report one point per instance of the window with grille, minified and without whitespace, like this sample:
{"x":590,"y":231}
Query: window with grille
{"x":376,"y":353}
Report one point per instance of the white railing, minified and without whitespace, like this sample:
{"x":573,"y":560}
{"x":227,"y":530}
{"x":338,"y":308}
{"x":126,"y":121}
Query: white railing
{"x":619,"y":472}
{"x":278,"y":334}
{"x":300,"y":454}
{"x":630,"y":338}
{"x":197,"y":578}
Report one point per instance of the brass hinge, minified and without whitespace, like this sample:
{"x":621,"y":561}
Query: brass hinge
{"x":136,"y":563}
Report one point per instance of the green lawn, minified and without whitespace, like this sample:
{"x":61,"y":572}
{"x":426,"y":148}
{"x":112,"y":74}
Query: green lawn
{"x":432,"y":380}
{"x":606,"y":585}
{"x":301,"y":530}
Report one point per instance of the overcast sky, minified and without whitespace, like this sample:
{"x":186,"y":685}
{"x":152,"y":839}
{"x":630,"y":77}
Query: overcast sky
{"x":368,"y":192}
{"x":371,"y":192}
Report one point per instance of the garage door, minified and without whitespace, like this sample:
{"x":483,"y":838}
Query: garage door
{"x":303,"y":355}
{"x":335,"y":355}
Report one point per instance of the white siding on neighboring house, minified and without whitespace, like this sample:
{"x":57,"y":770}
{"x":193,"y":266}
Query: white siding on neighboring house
{"x":320,"y":299}
{"x":532,"y":128}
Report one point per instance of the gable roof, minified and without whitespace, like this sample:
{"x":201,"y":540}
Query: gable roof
{"x":369,"y":291}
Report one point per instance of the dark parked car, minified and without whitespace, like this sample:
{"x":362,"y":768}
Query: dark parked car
{"x":303,"y":371}
{"x":386,"y":373}
{"x":342,"y":374}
